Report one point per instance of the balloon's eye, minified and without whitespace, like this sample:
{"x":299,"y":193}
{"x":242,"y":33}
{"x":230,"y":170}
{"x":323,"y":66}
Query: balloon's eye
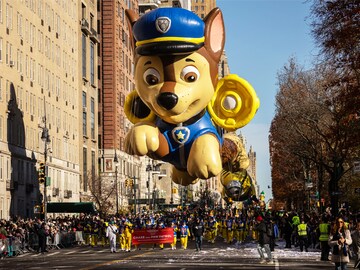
{"x":151,"y":76}
{"x":190,"y":74}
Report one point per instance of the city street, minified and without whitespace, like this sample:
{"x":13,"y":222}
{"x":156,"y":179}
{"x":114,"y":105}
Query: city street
{"x":212,"y":256}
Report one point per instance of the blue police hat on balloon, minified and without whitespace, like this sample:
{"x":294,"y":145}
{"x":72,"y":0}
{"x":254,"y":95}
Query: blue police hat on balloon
{"x":168,"y":31}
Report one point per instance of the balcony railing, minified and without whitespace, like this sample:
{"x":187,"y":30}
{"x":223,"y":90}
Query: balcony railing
{"x":85,"y":26}
{"x":94,"y":36}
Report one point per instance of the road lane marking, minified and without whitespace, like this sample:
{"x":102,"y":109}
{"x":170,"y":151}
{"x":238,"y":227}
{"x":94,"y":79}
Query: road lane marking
{"x":52,"y":254}
{"x":117,"y":261}
{"x":23,"y":255}
{"x":70,"y":252}
{"x":277,"y":265}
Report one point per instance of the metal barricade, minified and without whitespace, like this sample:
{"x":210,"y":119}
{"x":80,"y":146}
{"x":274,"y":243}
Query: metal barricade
{"x":17,"y":246}
{"x":79,"y":237}
{"x":3,"y":247}
{"x":53,"y":242}
{"x":67,"y":239}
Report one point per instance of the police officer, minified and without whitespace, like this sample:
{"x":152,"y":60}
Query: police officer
{"x":324,"y":229}
{"x":302,"y":234}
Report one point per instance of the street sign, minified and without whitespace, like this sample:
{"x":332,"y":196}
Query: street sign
{"x":309,"y":185}
{"x":48,"y":181}
{"x":146,"y":201}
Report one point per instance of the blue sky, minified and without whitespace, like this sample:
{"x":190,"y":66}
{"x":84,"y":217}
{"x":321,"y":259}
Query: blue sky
{"x":261,"y":36}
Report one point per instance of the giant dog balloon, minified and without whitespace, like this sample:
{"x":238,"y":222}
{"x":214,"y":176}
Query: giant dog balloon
{"x":179,"y":108}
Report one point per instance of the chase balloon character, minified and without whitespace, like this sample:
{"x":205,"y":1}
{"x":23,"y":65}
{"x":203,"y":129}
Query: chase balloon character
{"x":179,"y":108}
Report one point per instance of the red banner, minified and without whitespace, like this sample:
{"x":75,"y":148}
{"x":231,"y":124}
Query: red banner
{"x":153,"y":236}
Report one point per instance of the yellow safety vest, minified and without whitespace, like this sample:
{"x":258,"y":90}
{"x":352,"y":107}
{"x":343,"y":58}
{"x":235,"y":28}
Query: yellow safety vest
{"x":302,"y":229}
{"x":324,"y":232}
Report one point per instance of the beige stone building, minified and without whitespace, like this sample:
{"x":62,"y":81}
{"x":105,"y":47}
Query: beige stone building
{"x":202,"y":7}
{"x":88,"y":84}
{"x":41,"y":83}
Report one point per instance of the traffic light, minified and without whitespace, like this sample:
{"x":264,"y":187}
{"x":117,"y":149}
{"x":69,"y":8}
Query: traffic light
{"x":41,"y":172}
{"x":131,"y":182}
{"x":126,"y":182}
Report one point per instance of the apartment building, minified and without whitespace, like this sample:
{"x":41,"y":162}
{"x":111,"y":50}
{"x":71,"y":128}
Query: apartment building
{"x":202,"y":7}
{"x":89,"y":89}
{"x":39,"y":91}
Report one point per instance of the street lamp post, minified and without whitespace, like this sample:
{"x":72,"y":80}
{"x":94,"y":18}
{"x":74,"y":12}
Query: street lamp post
{"x":46,"y":139}
{"x":116,"y":162}
{"x":148,"y":169}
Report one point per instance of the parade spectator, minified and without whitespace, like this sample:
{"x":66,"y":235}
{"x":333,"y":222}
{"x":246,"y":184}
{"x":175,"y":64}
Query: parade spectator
{"x":111,"y":232}
{"x":42,"y":234}
{"x":355,"y":236}
{"x":198,"y":232}
{"x":263,"y":242}
{"x":339,"y":241}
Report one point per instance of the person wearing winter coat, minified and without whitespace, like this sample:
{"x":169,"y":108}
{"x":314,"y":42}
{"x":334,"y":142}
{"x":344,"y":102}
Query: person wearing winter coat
{"x":355,"y":236}
{"x":264,"y":241}
{"x":339,"y":242}
{"x":198,"y":232}
{"x":111,"y":232}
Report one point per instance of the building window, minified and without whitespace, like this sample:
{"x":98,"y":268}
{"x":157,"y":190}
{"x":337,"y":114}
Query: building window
{"x":8,"y":56}
{"x":1,"y":42}
{"x":92,"y":120}
{"x":1,"y":164}
{"x":93,"y":167}
{"x":1,"y":127}
{"x":1,"y":15}
{"x":9,"y":12}
{"x":84,"y":113}
{"x":85,"y":169}
{"x":83,"y":11}
{"x":92,"y":63}
{"x":84,"y":55}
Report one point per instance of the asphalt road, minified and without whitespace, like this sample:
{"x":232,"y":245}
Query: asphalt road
{"x":213,"y":256}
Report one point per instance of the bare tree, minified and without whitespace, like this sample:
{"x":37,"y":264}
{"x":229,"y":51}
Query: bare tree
{"x":310,"y":120}
{"x":102,"y":193}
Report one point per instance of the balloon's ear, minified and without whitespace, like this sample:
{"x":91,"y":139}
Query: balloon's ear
{"x":136,"y":110}
{"x":214,"y":33}
{"x":131,"y":18}
{"x":234,"y":103}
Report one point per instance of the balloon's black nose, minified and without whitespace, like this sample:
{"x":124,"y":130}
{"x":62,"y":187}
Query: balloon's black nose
{"x":167,"y":100}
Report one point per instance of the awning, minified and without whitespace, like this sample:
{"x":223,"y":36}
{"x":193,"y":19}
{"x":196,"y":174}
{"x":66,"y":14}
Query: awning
{"x":71,"y":207}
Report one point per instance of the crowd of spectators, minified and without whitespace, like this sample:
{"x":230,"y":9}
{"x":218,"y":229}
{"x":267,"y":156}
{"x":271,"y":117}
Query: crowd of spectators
{"x":232,"y":225}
